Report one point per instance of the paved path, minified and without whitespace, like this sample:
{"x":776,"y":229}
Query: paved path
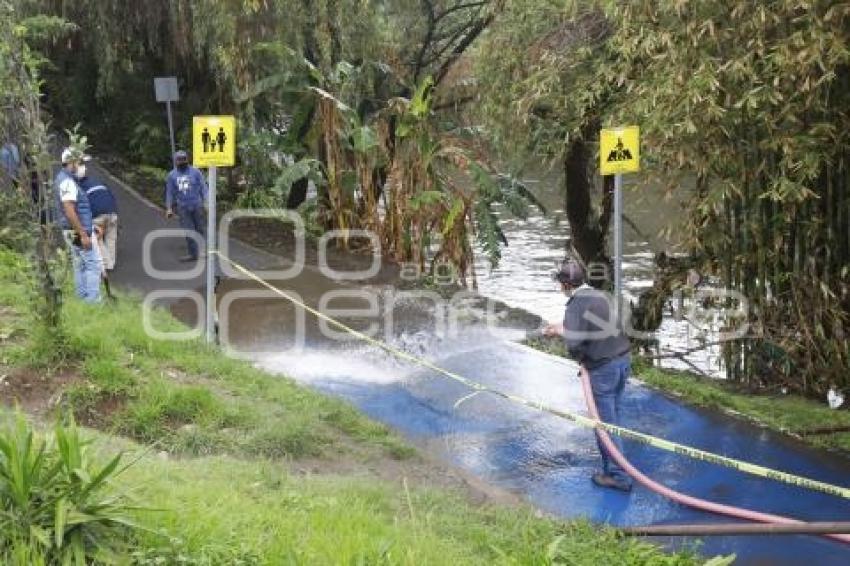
{"x":138,"y":218}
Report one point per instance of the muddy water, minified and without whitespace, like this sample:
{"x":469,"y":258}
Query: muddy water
{"x":537,"y":243}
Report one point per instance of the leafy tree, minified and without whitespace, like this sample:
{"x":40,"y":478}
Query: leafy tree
{"x":747,"y":98}
{"x":544,"y":91}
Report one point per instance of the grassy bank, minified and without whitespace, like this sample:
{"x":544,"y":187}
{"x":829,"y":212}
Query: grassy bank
{"x":241,"y":467}
{"x":790,"y":414}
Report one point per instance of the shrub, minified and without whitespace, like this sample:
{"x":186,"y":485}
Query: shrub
{"x":56,"y":505}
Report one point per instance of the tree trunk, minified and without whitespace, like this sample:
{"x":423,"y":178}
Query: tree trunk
{"x":588,"y":230}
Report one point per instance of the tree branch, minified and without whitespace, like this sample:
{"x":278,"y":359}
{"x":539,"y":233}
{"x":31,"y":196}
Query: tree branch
{"x":461,"y":47}
{"x":426,"y":43}
{"x":459,"y":7}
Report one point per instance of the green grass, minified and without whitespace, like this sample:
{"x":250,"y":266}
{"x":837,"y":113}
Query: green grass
{"x":186,"y":396}
{"x":214,"y":472}
{"x":790,"y":414}
{"x":786,"y":413}
{"x":221,"y":510}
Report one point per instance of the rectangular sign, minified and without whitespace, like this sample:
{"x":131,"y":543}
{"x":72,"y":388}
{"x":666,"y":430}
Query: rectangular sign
{"x":619,"y":150}
{"x":214,"y":141}
{"x":166,"y":89}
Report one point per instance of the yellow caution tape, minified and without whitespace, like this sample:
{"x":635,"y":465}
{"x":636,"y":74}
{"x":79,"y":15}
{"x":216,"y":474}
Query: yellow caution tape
{"x":654,"y":441}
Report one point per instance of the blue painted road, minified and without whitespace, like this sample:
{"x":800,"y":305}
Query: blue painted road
{"x":549,"y":460}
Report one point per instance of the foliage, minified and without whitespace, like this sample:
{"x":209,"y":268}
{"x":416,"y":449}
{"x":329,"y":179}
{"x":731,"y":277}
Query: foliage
{"x":24,"y":200}
{"x":77,"y":142}
{"x":313,"y":81}
{"x":394,"y":169}
{"x":277,"y":194}
{"x":748,"y":99}
{"x":148,"y":142}
{"x":545,"y":91}
{"x":751,"y":99}
{"x":541,"y":77}
{"x":56,"y":504}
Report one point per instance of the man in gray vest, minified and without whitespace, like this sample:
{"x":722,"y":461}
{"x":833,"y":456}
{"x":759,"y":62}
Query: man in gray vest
{"x":75,"y":219}
{"x":595,"y":339}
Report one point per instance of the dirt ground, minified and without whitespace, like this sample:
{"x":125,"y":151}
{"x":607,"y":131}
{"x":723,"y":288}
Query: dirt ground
{"x":34,"y":391}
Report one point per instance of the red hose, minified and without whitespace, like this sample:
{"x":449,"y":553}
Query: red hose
{"x":674,"y":495}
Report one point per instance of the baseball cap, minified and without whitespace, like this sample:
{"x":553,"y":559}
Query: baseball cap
{"x":570,"y":273}
{"x":73,"y":154}
{"x":181,"y":155}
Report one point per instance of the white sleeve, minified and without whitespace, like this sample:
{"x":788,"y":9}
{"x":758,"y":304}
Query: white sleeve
{"x":68,"y":191}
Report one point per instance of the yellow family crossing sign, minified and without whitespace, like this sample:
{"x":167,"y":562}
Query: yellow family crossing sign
{"x":213,"y":141}
{"x":619,"y":150}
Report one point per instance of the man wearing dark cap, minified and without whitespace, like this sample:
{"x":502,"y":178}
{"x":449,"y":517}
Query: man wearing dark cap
{"x":186,"y":188}
{"x":595,"y":339}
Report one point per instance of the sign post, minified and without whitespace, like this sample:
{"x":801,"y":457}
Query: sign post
{"x":166,"y":91}
{"x":213,"y":146}
{"x":211,"y":247}
{"x":619,"y":153}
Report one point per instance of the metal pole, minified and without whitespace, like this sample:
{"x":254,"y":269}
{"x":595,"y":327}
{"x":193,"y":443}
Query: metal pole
{"x":171,"y":132}
{"x":618,"y":242}
{"x":211,"y":247}
{"x":821,"y":528}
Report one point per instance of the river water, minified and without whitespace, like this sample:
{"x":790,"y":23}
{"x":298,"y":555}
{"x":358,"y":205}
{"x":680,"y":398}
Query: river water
{"x":538,"y":243}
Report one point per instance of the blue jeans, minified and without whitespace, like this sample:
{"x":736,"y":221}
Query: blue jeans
{"x":192,"y":220}
{"x":607,"y":382}
{"x":87,"y":271}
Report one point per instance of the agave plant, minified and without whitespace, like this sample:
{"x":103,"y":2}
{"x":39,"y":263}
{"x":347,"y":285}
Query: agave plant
{"x":56,"y":503}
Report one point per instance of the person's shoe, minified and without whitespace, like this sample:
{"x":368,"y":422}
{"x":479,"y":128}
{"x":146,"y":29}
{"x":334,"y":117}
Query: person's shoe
{"x":188,"y":258}
{"x":604,"y":480}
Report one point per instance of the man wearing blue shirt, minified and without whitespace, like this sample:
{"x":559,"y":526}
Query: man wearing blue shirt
{"x":186,"y":188}
{"x":104,"y":212}
{"x":75,"y":219}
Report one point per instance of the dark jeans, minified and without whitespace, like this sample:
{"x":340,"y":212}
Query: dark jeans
{"x":607,"y":382}
{"x":192,"y":220}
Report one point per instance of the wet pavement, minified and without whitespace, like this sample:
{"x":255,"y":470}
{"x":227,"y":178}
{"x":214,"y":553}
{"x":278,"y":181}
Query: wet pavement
{"x":550,"y":460}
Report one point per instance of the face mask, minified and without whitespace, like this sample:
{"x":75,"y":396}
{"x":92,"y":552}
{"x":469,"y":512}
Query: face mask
{"x":80,"y":172}
{"x":183,"y":166}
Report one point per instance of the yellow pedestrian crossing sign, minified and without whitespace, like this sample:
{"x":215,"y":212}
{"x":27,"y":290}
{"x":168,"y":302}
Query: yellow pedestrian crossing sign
{"x":214,"y":141}
{"x":619,"y":150}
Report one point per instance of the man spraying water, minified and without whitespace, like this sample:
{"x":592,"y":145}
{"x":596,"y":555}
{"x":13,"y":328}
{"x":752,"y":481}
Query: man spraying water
{"x":595,"y":339}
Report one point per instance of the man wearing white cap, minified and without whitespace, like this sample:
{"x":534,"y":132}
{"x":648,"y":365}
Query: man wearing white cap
{"x":75,"y":219}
